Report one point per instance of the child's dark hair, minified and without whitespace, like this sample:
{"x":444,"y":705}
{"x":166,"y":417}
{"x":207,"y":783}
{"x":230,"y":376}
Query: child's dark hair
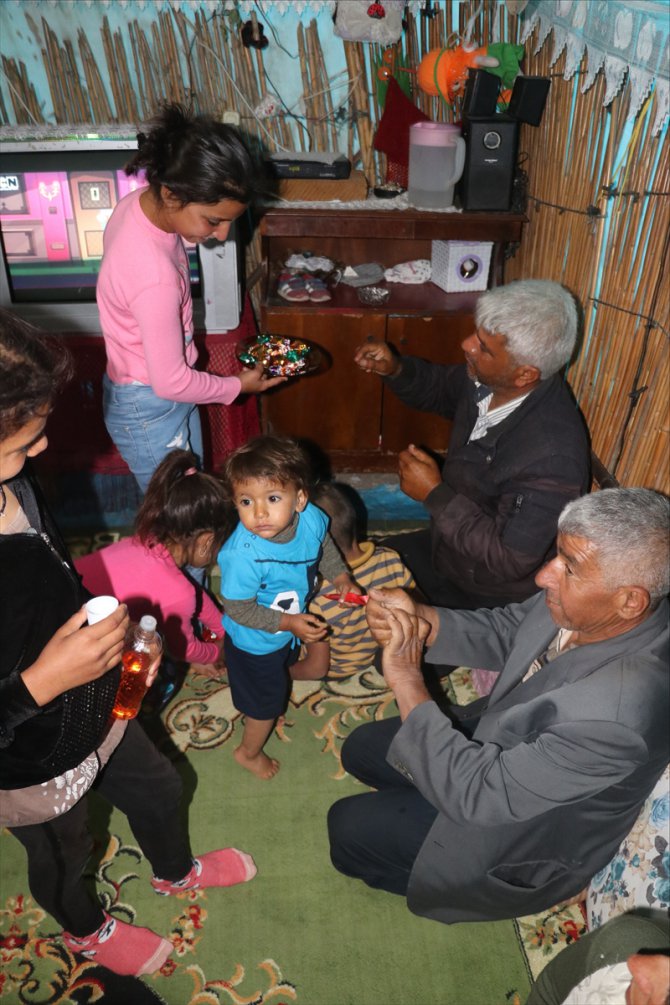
{"x":33,"y":368}
{"x":182,"y":502}
{"x":335,"y":500}
{"x":277,"y":457}
{"x":196,"y":157}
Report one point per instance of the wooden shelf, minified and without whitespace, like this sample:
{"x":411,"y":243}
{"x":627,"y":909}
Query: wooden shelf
{"x":385,"y":225}
{"x":405,"y":300}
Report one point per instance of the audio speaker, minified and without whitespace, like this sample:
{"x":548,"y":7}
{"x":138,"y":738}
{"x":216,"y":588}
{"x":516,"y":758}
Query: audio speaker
{"x":529,"y":96}
{"x":490,"y":162}
{"x":481,"y":94}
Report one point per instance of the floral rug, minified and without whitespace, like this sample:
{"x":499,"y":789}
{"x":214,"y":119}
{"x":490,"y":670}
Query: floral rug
{"x":299,"y":932}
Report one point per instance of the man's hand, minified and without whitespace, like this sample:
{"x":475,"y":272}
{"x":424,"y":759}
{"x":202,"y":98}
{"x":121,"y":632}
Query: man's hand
{"x":254,"y":382}
{"x":307,"y":627}
{"x":401,"y":659}
{"x":419,"y":473}
{"x":382,"y":603}
{"x":378,"y":357}
{"x":76,"y":654}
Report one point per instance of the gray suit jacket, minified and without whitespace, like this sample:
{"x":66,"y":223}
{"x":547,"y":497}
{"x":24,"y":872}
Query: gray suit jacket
{"x":557,"y":770}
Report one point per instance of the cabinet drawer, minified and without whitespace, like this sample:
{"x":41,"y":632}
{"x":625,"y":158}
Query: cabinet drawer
{"x":437,"y":339}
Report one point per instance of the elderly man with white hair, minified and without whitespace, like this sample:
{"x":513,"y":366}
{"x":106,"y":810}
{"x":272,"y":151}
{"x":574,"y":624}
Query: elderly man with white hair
{"x":518,"y":449}
{"x":573,"y":737}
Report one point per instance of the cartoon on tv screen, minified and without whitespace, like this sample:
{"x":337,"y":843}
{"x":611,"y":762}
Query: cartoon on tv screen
{"x":52,"y":224}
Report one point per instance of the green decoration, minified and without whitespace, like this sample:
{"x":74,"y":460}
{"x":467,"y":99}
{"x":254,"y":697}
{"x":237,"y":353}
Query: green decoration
{"x":509,"y":57}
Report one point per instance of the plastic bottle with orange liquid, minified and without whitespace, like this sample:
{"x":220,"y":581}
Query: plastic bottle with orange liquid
{"x":141,"y":651}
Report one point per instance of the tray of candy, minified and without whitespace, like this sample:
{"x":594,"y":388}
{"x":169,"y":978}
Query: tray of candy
{"x":281,"y":355}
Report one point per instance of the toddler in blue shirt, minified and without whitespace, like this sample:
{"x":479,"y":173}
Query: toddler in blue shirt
{"x":269,"y":570}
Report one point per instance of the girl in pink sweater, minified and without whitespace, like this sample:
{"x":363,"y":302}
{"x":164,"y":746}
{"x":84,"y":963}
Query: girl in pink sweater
{"x":200,"y":179}
{"x":183,"y":520}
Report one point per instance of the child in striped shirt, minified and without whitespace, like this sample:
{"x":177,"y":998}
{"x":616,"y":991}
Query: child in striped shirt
{"x":349,"y":646}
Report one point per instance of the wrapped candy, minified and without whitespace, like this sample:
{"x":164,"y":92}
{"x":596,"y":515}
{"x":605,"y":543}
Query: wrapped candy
{"x":280,"y":355}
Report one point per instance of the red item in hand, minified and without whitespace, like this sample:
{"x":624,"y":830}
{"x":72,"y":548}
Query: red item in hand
{"x":207,"y":635}
{"x":349,"y":598}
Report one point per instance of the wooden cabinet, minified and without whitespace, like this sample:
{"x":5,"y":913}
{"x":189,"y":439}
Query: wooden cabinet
{"x":350,"y":414}
{"x":340,"y":407}
{"x":436,"y":338}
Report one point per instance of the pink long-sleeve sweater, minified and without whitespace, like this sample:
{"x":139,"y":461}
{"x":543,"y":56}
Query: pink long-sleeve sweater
{"x":149,"y":582}
{"x":146,"y":311}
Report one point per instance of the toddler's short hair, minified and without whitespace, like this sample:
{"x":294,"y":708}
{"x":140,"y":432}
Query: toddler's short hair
{"x":277,"y":457}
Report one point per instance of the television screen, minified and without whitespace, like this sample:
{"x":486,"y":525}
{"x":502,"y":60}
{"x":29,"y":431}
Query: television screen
{"x":58,"y":189}
{"x":54,"y":205}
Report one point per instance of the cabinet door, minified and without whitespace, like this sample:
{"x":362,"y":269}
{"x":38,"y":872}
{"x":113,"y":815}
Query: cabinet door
{"x":437,"y":339}
{"x":340,"y":408}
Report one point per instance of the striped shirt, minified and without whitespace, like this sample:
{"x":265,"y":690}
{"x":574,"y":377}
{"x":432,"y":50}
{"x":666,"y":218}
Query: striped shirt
{"x":352,"y":647}
{"x":488,"y":418}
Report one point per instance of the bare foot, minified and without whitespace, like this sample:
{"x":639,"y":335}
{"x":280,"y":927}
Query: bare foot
{"x":261,"y":764}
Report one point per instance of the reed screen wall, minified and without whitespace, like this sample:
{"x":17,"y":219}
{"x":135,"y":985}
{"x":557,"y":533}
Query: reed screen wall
{"x":597,"y":209}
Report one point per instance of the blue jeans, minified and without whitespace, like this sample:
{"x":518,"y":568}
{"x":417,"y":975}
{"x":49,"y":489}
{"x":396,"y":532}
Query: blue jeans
{"x":146,"y":428}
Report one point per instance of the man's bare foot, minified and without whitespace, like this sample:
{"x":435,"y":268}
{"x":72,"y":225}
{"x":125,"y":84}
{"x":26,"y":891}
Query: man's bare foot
{"x":261,"y":764}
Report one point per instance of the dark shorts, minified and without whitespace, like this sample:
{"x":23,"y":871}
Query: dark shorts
{"x":259,"y":683}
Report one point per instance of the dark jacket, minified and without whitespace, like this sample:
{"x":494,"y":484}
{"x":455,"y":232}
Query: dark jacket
{"x":493,"y":519}
{"x":39,"y":591}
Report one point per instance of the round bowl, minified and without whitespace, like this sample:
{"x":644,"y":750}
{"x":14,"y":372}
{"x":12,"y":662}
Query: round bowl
{"x":373,"y":296}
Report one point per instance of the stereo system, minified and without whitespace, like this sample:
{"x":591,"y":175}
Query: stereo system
{"x":529,"y":96}
{"x":490,"y":160}
{"x":480,"y":95}
{"x":492,"y":140}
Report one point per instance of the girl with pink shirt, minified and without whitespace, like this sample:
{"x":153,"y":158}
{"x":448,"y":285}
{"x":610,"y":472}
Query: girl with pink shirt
{"x":183,"y":520}
{"x":200,"y":179}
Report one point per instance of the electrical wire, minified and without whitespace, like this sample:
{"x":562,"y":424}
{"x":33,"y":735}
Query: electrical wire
{"x":274,"y":32}
{"x":230,"y":77}
{"x":300,"y":119}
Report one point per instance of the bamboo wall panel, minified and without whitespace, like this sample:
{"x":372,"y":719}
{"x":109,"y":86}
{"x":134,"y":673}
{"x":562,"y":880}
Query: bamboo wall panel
{"x":610,"y":249}
{"x":621,"y":375}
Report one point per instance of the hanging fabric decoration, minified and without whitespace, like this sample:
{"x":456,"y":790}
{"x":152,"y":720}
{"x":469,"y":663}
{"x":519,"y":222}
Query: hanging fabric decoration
{"x":362,"y":21}
{"x":624,"y":40}
{"x":392,"y":136}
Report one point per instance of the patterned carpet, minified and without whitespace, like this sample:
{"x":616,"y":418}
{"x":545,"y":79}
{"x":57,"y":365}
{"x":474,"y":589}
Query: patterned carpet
{"x":300,"y":932}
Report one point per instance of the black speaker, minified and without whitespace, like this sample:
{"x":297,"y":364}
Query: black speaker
{"x":490,"y":161}
{"x":481,"y":94}
{"x":529,"y":96}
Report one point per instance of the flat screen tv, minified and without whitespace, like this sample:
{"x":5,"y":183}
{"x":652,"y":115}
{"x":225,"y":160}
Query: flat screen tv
{"x":56,"y":194}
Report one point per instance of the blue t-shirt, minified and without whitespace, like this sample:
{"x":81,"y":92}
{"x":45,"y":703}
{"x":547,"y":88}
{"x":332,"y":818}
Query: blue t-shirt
{"x":280,"y":576}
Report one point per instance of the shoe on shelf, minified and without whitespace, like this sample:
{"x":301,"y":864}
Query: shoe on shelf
{"x":225,"y":867}
{"x":127,"y":950}
{"x":317,"y":290}
{"x":292,"y":287}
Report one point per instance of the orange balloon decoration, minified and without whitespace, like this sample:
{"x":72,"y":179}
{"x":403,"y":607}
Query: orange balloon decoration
{"x":444,"y":71}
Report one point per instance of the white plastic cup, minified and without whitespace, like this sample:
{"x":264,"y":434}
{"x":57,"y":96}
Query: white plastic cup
{"x":99,"y":608}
